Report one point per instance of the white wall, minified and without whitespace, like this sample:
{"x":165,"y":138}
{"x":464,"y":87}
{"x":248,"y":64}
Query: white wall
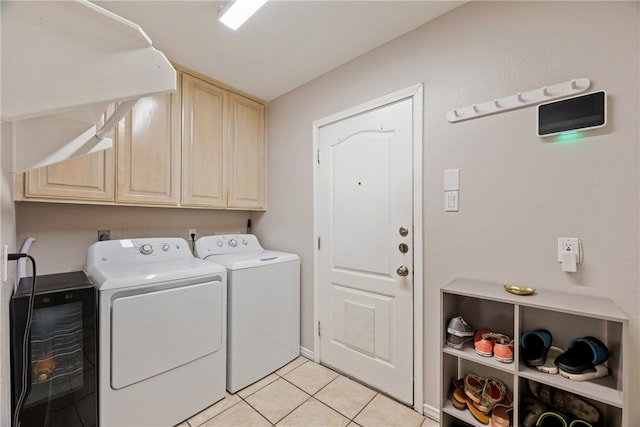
{"x":519,"y":193}
{"x":63,"y":232}
{"x":8,"y":237}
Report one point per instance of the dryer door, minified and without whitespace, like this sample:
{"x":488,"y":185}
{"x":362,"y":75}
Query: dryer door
{"x":155,"y":332}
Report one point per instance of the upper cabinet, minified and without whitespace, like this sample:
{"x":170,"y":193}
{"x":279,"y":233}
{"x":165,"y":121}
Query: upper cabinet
{"x":246,"y":153}
{"x":203,"y":129}
{"x":148,"y":152}
{"x":200,"y":147}
{"x":88,"y":178}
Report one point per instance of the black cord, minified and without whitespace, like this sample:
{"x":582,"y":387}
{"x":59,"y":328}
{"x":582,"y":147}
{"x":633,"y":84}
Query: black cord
{"x":25,"y":339}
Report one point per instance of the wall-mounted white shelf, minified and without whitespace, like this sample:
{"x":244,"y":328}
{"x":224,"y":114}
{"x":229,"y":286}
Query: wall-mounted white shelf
{"x":519,"y":100}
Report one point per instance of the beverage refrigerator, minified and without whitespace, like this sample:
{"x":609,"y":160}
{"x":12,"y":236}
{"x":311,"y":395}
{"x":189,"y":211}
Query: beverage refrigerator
{"x":61,"y":351}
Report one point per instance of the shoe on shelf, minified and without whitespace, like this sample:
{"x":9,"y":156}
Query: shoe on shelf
{"x":456,"y":341}
{"x":477,"y":413}
{"x":549,"y":366}
{"x":552,"y":419}
{"x":532,"y":409}
{"x":459,"y":399}
{"x":494,"y":392}
{"x":565,"y":402}
{"x":474,"y":386}
{"x":459,"y":327}
{"x":583,"y":354}
{"x":500,"y":416}
{"x":535,"y":345}
{"x":488,"y":343}
{"x":596,"y":372}
{"x":483,"y":342}
{"x":580,"y":423}
{"x":503,"y":348}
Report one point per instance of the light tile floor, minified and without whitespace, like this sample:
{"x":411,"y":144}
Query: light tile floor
{"x":305,"y":394}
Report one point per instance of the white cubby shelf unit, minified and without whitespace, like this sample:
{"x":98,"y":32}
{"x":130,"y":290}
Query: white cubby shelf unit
{"x":565,"y":315}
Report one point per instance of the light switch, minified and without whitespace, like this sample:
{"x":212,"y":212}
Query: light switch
{"x":452,"y":180}
{"x":451,"y":201}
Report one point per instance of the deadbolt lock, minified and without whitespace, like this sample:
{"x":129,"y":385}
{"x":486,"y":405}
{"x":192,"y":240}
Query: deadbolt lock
{"x":402,"y":270}
{"x":403,"y":231}
{"x":403,"y":248}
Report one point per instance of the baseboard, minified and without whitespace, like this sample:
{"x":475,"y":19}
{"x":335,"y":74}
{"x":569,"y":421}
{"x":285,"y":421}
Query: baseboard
{"x":306,"y":353}
{"x":431,"y":412}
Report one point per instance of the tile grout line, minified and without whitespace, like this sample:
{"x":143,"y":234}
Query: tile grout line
{"x":309,"y":396}
{"x":364,"y":407}
{"x":283,"y":378}
{"x":255,"y":409}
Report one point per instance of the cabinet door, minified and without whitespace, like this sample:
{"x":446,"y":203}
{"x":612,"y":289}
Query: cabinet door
{"x":245,"y":153}
{"x":203,"y":172}
{"x":88,"y":178}
{"x":148,"y":142}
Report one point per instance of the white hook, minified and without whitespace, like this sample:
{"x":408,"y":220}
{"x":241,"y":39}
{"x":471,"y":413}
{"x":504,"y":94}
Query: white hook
{"x":573,"y":84}
{"x":474,"y":108}
{"x":545,"y":92}
{"x":496,"y":103}
{"x":455,"y":112}
{"x":519,"y":95}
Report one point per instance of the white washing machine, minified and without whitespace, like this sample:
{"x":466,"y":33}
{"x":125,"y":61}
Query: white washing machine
{"x":263,"y":305}
{"x":162,"y":331}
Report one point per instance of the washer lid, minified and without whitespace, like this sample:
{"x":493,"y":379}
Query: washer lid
{"x":241,"y":260}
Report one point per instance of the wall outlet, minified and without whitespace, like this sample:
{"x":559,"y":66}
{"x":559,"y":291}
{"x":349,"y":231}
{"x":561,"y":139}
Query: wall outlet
{"x":192,"y":235}
{"x":568,"y":245}
{"x":104,"y":235}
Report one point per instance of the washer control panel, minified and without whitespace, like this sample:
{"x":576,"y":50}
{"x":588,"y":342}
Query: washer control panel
{"x":226,"y":244}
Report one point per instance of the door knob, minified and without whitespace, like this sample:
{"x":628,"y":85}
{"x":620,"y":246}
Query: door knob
{"x":402,"y":270}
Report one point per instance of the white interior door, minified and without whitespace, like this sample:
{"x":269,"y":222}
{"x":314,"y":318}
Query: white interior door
{"x":364,"y":221}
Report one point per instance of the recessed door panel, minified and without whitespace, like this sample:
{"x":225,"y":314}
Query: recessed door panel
{"x":361,"y":186}
{"x":360,"y":320}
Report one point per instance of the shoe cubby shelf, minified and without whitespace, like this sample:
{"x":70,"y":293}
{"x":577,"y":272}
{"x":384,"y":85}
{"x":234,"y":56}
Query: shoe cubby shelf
{"x":565,"y":315}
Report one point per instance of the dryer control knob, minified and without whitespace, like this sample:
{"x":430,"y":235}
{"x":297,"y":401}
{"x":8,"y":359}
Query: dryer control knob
{"x":219,"y":243}
{"x":165,"y":247}
{"x":146,"y":249}
{"x":233,"y":243}
{"x":244,"y":242}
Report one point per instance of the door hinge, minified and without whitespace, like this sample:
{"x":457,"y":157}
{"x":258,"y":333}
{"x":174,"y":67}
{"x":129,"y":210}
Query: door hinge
{"x":318,"y":242}
{"x":318,"y":156}
{"x":318,"y":328}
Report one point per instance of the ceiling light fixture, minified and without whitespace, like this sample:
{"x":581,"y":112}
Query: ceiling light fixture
{"x":235,"y":13}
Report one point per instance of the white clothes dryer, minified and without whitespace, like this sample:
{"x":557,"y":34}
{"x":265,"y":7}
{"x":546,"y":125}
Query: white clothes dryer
{"x":263,"y":305}
{"x":162,"y":331}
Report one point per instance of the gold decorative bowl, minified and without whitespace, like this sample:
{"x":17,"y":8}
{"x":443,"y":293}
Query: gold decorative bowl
{"x":519,"y":290}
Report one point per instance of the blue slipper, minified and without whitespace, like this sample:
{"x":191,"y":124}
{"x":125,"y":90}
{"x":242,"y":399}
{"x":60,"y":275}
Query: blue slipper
{"x":583,"y":353}
{"x":535,"y":345}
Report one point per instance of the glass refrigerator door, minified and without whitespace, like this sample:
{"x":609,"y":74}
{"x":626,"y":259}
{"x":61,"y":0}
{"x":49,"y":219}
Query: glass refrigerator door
{"x":57,"y":360}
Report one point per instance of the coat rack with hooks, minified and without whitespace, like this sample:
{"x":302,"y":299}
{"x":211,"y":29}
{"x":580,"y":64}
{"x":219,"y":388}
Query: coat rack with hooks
{"x":519,"y":100}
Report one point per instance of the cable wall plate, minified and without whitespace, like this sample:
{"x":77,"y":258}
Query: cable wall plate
{"x":519,"y":100}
